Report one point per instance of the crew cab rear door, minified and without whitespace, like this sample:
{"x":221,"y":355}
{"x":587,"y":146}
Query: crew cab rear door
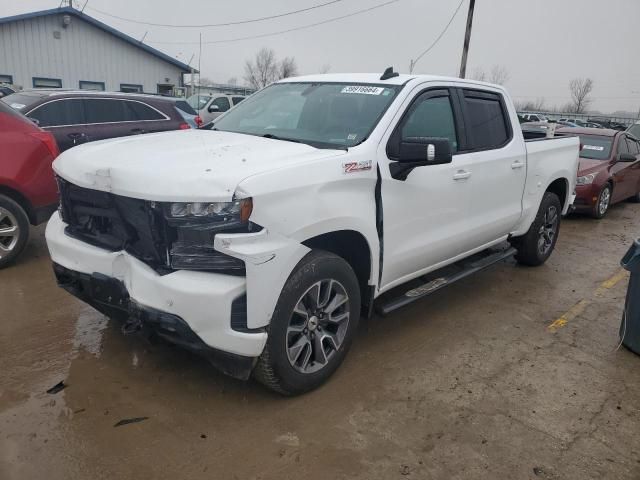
{"x":498,"y":163}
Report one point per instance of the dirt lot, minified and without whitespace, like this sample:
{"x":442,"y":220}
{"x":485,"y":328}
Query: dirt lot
{"x":470,"y":383}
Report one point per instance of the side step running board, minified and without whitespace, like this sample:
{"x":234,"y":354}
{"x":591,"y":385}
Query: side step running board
{"x":446,"y":276}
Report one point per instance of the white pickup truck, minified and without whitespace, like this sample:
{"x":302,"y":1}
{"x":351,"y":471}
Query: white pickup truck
{"x":260,"y":244}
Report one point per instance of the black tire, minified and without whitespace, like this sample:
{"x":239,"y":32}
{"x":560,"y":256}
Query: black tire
{"x":601,"y":207}
{"x":14,"y":230}
{"x":530,"y":250}
{"x":635,"y":198}
{"x":274,"y":368}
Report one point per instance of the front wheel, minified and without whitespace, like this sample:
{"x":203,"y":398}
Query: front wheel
{"x":14,"y":230}
{"x":601,"y":207}
{"x":536,"y":246}
{"x":312,"y":326}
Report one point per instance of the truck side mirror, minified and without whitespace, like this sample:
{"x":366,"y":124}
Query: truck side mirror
{"x":419,"y":152}
{"x":425,"y":150}
{"x":213,"y":108}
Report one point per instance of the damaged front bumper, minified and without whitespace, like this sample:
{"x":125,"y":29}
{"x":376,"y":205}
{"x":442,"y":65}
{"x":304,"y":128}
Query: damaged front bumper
{"x":199,"y":304}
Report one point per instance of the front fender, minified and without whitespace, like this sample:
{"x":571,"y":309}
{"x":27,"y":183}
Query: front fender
{"x":269,"y":259}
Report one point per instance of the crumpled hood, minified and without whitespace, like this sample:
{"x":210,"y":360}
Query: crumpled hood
{"x":180,"y":166}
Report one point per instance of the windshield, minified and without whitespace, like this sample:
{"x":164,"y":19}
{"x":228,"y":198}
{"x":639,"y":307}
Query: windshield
{"x":324,"y":115}
{"x":596,"y":148}
{"x":198,"y":102}
{"x":20,"y":101}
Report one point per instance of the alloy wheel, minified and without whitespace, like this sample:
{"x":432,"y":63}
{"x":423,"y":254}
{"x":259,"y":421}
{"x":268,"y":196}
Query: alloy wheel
{"x":605,"y":200}
{"x":9,"y":232}
{"x":317,"y":326}
{"x":548,"y":230}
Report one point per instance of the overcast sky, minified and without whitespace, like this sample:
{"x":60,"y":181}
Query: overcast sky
{"x":542,"y":43}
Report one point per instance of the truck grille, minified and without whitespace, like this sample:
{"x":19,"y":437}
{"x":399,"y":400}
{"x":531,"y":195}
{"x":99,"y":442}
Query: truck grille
{"x":140,"y":228}
{"x":114,"y":223}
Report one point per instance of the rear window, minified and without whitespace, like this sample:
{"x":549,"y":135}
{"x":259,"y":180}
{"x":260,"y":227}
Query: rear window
{"x":485,"y":120}
{"x":635,"y":130}
{"x":595,"y":147}
{"x":142,"y":111}
{"x":20,"y":101}
{"x":185,"y":107}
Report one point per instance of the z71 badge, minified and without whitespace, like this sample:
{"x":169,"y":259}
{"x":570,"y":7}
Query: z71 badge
{"x":352,"y":167}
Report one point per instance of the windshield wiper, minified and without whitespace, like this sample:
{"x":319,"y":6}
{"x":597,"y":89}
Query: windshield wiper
{"x":275,"y":137}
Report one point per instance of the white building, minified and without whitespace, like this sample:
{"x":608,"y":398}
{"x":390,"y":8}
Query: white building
{"x":63,"y":47}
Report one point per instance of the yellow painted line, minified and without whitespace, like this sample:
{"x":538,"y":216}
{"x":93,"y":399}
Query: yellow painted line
{"x":573,"y":312}
{"x":580,"y":307}
{"x":611,"y":282}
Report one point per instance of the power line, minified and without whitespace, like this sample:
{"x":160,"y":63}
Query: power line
{"x":413,"y":62}
{"x":239,"y":22}
{"x":358,"y":12}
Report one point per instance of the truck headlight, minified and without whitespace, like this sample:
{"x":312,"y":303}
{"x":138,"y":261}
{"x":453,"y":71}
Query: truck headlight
{"x":587,"y":179}
{"x":237,"y":210}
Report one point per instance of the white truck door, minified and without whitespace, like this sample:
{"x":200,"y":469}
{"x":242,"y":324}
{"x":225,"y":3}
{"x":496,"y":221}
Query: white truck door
{"x":426,"y":215}
{"x":498,"y":162}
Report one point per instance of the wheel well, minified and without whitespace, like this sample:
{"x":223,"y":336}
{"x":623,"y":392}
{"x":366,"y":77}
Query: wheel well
{"x":354,"y":249}
{"x":20,"y":200}
{"x":559,"y":187}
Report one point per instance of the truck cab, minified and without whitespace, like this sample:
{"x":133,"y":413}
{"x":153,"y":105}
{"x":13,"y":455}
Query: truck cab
{"x":259,"y":243}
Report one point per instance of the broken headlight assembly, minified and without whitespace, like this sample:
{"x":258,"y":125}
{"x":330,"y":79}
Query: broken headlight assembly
{"x":193,"y":227}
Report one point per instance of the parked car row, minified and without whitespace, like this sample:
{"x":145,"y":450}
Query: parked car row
{"x":596,"y":122}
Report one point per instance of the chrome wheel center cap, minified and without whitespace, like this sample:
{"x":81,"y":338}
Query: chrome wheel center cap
{"x":313,"y":323}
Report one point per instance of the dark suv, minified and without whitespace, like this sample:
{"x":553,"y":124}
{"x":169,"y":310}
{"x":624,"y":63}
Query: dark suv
{"x":79,"y":116}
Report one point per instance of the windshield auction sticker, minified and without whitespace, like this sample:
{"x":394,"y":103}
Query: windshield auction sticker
{"x":593,"y":147}
{"x":363,"y":89}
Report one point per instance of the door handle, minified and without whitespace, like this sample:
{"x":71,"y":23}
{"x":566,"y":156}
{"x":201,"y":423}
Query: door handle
{"x":77,"y":137}
{"x":516,"y":165}
{"x":462,"y":175}
{"x":137,"y":130}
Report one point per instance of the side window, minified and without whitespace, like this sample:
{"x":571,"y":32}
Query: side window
{"x":222,"y":103}
{"x":622,"y":145}
{"x":633,"y":146}
{"x":431,"y":117}
{"x":485,"y":120}
{"x":59,"y":113}
{"x":102,"y":110}
{"x":237,"y":100}
{"x":139,"y":111}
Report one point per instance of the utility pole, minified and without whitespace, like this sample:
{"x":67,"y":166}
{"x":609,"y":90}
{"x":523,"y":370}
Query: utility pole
{"x":467,"y":39}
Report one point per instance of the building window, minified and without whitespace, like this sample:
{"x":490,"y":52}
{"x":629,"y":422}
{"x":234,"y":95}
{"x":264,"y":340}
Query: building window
{"x":39,"y":82}
{"x":87,"y":85}
{"x":130,"y":88}
{"x":6,"y":78}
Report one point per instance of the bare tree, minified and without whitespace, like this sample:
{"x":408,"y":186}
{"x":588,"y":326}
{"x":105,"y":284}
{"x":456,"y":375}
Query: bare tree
{"x":499,"y":75}
{"x":537,"y":105}
{"x":205,"y":81}
{"x":479,"y":74}
{"x":326,"y":68}
{"x":263,"y":70}
{"x":232,"y":81}
{"x":580,"y":89}
{"x":288,"y":68}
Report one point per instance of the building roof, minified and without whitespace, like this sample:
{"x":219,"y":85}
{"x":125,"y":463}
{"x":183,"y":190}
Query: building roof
{"x":102,"y":26}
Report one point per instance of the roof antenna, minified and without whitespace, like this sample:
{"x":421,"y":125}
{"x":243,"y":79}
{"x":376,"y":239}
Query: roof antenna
{"x":389,"y":73}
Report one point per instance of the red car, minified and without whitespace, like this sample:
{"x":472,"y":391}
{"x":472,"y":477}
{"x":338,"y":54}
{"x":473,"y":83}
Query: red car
{"x":28,"y":191}
{"x":609,"y":170}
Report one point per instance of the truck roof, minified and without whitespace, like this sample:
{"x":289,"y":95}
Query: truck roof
{"x":375,"y":78}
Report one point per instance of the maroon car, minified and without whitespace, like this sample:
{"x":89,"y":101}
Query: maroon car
{"x":80,"y":116}
{"x":28,"y":191}
{"x":609,"y":170}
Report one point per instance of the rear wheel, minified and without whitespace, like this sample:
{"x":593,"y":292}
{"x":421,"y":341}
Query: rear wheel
{"x":312,"y":326}
{"x":14,"y":230}
{"x":601,"y":207}
{"x":536,"y":246}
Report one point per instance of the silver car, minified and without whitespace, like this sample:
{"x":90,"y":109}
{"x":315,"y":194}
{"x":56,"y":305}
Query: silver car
{"x":212,"y":105}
